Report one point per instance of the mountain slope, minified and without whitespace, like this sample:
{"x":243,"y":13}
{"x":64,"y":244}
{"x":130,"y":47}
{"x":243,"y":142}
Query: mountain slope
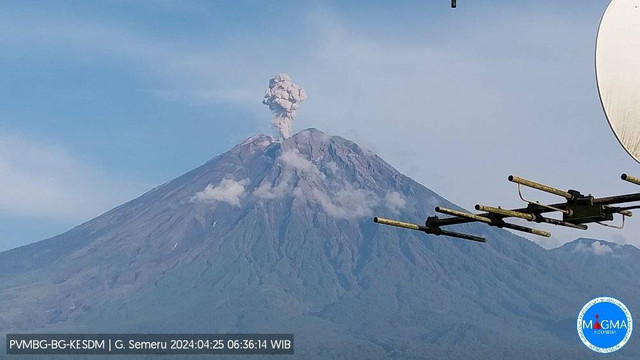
{"x":277,"y":237}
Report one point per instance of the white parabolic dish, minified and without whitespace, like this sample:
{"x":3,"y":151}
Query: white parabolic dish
{"x":618,"y":71}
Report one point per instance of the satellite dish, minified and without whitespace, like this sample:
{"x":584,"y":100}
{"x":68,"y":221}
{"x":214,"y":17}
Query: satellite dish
{"x":618,"y":71}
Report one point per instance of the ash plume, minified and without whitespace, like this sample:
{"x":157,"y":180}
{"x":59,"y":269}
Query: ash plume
{"x":282,"y":98}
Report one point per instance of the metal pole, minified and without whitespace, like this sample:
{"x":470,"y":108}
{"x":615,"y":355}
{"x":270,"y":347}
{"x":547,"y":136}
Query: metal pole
{"x":505,"y":212}
{"x":525,"y":229}
{"x":541,"y":187}
{"x":474,"y":217}
{"x":618,"y":199}
{"x":434,"y":231}
{"x":462,"y":236}
{"x":401,"y":224}
{"x":631,"y":179}
{"x":463,"y":214}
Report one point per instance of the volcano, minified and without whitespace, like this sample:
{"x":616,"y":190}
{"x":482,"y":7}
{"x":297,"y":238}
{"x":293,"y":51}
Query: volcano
{"x":276,"y":236}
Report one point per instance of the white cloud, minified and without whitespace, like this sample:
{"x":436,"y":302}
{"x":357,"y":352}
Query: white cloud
{"x":599,"y":248}
{"x":268,"y":191}
{"x":596,"y":248}
{"x":346,"y":203}
{"x":293,"y":159}
{"x":46,"y":181}
{"x":228,"y":190}
{"x":338,"y":200}
{"x":333,"y":167}
{"x":395,"y":201}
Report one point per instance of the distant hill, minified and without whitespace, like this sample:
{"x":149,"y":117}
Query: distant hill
{"x":277,"y":237}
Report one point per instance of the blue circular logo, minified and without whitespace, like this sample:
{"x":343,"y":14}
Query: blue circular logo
{"x":604,"y":324}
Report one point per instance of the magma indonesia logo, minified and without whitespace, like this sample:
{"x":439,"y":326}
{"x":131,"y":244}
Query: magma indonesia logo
{"x":605,"y":324}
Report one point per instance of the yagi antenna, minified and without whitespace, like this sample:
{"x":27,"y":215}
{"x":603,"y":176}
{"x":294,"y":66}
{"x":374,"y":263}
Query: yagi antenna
{"x":577,"y":210}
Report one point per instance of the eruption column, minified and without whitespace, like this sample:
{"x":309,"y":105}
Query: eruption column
{"x":282,"y":98}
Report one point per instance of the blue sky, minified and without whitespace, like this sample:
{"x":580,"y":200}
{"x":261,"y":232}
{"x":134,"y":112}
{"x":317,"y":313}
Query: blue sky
{"x":102,"y":101}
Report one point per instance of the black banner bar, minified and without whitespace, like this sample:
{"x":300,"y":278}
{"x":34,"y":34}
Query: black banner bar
{"x":148,"y":344}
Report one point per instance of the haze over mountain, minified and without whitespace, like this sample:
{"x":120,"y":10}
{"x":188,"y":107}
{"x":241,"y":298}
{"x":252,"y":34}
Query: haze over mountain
{"x":276,"y":236}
